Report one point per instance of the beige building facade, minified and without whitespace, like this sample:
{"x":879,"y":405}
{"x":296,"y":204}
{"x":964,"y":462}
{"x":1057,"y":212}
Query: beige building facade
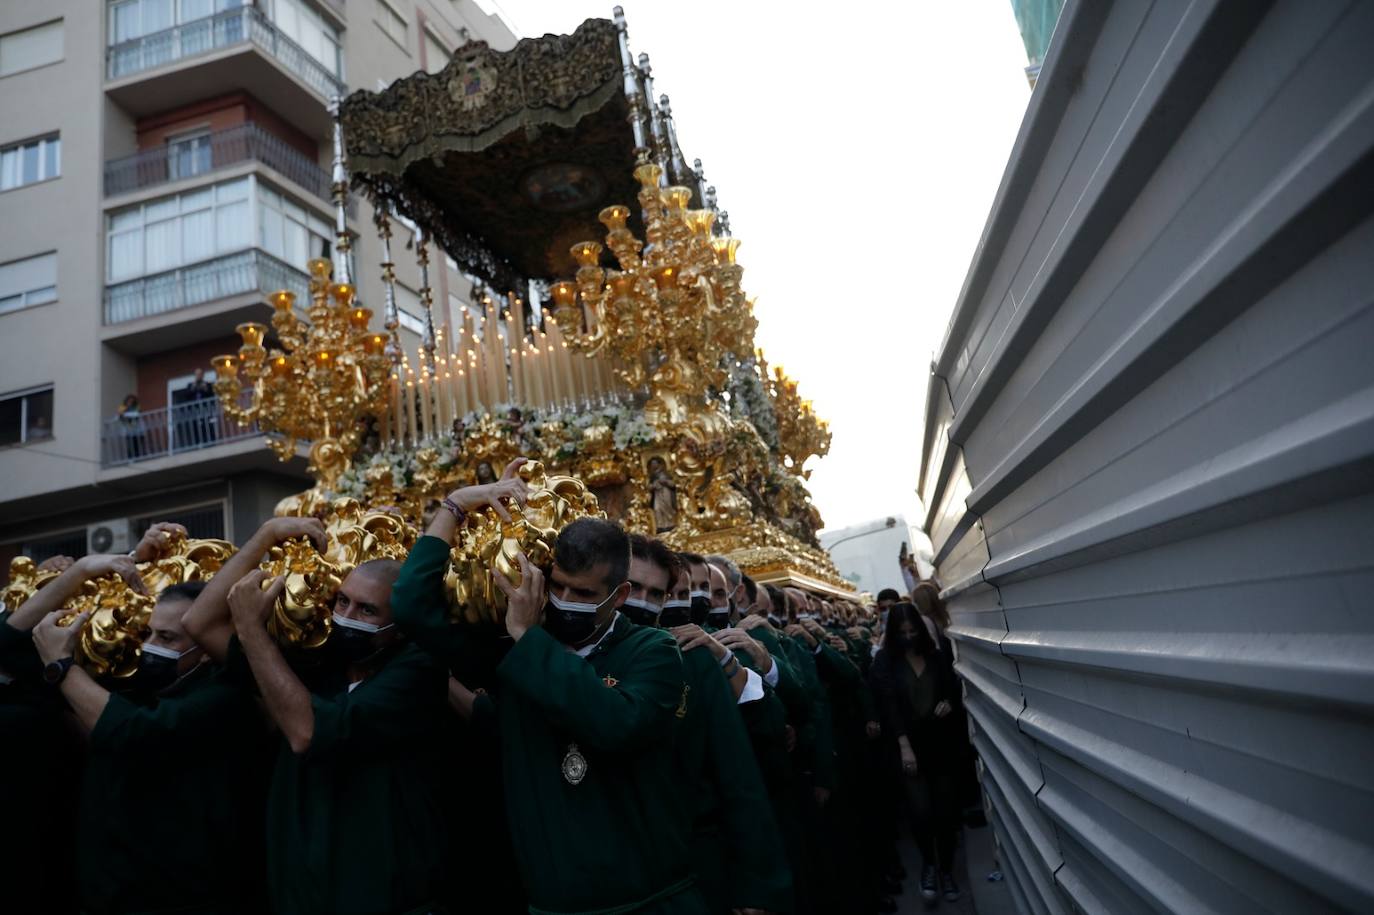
{"x":164,"y":164}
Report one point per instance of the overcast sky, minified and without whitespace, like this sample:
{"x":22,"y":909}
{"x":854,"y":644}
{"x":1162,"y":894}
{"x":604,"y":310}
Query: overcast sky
{"x":857,"y":147}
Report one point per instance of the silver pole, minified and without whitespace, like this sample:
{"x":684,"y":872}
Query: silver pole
{"x":632,"y":94}
{"x":676,"y":164}
{"x":339,"y":188}
{"x":426,"y":296}
{"x":655,"y":119}
{"x":392,"y":316}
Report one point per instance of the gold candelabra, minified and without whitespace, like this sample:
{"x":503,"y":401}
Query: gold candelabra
{"x":673,"y":313}
{"x":328,"y":374}
{"x":801,"y":433}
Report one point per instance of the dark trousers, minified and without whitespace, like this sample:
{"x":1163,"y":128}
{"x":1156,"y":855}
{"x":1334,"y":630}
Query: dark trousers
{"x":933,"y":805}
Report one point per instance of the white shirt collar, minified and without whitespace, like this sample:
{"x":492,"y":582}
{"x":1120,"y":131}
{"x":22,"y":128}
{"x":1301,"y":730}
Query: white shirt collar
{"x":586,"y":650}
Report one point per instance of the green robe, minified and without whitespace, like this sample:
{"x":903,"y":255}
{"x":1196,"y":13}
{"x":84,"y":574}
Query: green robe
{"x":353,"y":823}
{"x":737,"y":852}
{"x":164,"y":809}
{"x":616,"y":841}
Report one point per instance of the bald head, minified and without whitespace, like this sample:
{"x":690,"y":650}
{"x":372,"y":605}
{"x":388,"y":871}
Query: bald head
{"x":382,"y":571}
{"x":365,"y":594}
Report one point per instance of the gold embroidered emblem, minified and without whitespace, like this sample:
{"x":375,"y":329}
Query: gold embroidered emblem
{"x":682,"y":706}
{"x":610,"y":681}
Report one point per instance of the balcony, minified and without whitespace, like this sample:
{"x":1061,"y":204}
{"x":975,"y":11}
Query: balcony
{"x":195,"y":303}
{"x":219,"y":150}
{"x":246,"y":272}
{"x":239,"y":48}
{"x":178,"y":429}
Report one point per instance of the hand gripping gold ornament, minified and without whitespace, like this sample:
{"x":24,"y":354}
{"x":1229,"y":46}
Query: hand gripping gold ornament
{"x":488,"y":543}
{"x":304,"y":612}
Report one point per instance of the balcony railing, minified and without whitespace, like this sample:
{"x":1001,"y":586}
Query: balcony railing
{"x":222,"y":30}
{"x":215,"y":151}
{"x":219,"y":278}
{"x":150,"y":434}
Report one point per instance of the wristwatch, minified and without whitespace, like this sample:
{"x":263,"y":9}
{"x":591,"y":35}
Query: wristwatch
{"x":55,"y":671}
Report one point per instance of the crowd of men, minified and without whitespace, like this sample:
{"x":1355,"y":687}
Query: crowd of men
{"x":651,"y":732}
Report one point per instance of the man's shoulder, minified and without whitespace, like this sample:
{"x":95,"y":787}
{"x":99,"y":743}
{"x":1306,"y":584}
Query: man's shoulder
{"x":411,"y":661}
{"x":643,"y":640}
{"x":699,"y":661}
{"x":412,"y":655}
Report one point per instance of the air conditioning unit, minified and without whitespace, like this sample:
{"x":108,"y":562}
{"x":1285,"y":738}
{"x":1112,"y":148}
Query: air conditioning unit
{"x":110,"y":536}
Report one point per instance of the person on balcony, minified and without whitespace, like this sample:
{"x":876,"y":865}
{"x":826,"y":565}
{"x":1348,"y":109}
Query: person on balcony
{"x":131,"y":427}
{"x":197,"y":400}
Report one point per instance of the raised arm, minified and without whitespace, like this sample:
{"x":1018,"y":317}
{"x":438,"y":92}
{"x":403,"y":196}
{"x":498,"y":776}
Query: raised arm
{"x":418,"y":601}
{"x":208,"y":621}
{"x":86,"y":697}
{"x":61,"y":589}
{"x":285,"y":696}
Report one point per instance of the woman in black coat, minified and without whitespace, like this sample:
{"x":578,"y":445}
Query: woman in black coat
{"x":916,"y":691}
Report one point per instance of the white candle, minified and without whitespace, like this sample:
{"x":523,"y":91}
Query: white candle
{"x":408,"y":396}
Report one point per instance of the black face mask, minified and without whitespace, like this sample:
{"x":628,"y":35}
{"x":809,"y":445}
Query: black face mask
{"x":349,"y":647}
{"x":154,"y":674}
{"x":775,"y":620}
{"x":571,"y":627}
{"x":640,"y":616}
{"x":674,"y":616}
{"x":701,"y":608}
{"x":719,"y":617}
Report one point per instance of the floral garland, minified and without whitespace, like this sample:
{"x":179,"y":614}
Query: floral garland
{"x":627,"y":424}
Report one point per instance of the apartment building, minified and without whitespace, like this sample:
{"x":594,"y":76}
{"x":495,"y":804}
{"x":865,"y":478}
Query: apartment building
{"x":164,"y":164}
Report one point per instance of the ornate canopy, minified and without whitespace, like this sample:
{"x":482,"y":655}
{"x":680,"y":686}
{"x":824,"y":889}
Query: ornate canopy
{"x":504,"y":157}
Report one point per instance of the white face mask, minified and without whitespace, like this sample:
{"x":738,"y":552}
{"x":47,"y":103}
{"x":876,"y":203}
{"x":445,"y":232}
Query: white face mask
{"x":804,"y":616}
{"x":705,"y":595}
{"x":642,"y":604}
{"x":572,"y":606}
{"x":159,"y":651}
{"x":359,"y":625}
{"x":675,"y":604}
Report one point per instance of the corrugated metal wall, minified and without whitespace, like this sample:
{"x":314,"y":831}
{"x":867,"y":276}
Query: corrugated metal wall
{"x":1149,"y":465}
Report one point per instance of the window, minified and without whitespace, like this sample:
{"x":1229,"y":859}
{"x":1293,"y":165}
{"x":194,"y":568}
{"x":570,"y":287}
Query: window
{"x":175,"y":231}
{"x":31,"y":281}
{"x":72,"y":543}
{"x":410,"y":310}
{"x":29,"y":162}
{"x":436,"y":55}
{"x":290,"y":232}
{"x":26,"y":416}
{"x":188,"y":154}
{"x":201,"y":521}
{"x":391,"y":22}
{"x":307,"y":28}
{"x":130,"y":19}
{"x":30,"y":48}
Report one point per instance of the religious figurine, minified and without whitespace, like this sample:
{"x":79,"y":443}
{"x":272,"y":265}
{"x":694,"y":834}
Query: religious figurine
{"x":485,"y":474}
{"x":663,"y":495}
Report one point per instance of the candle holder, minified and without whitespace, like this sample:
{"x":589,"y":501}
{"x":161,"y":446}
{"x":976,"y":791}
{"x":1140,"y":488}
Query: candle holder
{"x":339,"y":368}
{"x":673,"y":316}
